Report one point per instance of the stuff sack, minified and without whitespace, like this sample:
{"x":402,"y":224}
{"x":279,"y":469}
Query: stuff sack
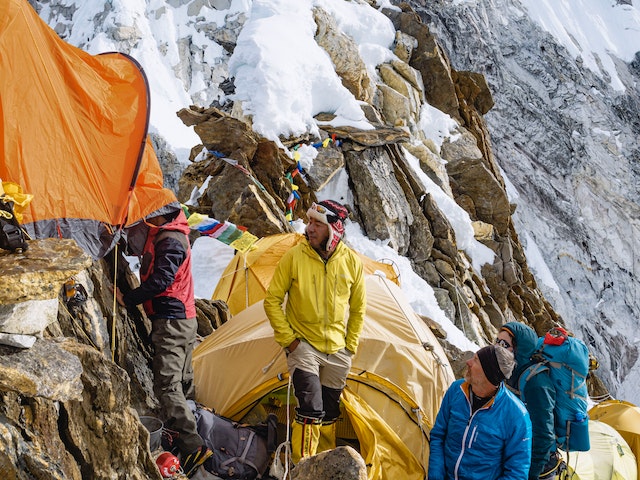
{"x":240,"y":451}
{"x":567,"y":360}
{"x":12,"y":237}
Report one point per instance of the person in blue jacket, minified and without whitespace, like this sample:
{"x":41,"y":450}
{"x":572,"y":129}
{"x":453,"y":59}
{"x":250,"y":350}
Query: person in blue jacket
{"x":482,"y":430}
{"x":539,"y":396}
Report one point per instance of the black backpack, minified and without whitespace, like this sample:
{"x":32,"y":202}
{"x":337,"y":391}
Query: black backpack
{"x":240,"y":451}
{"x":12,"y":237}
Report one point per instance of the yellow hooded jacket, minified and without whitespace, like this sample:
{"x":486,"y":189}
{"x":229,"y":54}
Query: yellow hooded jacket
{"x":319,"y":294}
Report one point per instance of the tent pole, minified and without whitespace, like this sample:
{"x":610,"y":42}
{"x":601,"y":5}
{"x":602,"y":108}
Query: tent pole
{"x":246,"y":281}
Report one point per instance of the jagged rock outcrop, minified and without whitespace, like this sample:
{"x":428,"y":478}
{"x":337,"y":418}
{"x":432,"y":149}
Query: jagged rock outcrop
{"x":38,"y":273}
{"x":84,"y":428}
{"x":344,"y":54}
{"x":234,"y":191}
{"x":70,"y":404}
{"x":568,"y":142}
{"x":63,"y":402}
{"x":30,"y":284}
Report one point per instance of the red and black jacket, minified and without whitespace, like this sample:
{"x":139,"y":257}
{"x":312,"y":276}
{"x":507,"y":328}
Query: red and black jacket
{"x":166,"y":288}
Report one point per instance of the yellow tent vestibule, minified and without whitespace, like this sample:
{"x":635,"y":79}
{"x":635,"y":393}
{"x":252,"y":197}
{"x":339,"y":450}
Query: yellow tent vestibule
{"x":394,"y":390}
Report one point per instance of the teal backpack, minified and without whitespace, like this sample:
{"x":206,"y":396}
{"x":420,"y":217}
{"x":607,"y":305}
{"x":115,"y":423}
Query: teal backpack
{"x":566,"y":358}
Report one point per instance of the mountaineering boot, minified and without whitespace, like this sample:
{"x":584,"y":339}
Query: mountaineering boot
{"x":554,"y":469}
{"x":563,"y":471}
{"x":192,"y":462}
{"x":304,"y":438}
{"x":327,"y":439}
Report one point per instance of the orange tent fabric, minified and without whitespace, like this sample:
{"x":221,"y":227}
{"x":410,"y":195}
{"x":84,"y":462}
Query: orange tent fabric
{"x":73,"y":132}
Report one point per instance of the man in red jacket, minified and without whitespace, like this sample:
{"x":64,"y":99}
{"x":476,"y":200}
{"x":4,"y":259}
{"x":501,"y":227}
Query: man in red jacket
{"x":166,"y":291}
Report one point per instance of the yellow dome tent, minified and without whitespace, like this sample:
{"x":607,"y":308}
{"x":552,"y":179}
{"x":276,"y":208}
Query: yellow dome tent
{"x":398,"y":378}
{"x":624,"y":417}
{"x":609,"y":458}
{"x":246,"y":278}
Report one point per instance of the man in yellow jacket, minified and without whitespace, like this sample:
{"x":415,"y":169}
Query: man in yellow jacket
{"x":322,"y":279}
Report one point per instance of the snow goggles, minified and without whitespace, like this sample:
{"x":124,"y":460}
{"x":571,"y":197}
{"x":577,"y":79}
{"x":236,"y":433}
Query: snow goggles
{"x":503,"y":343}
{"x":330,"y":215}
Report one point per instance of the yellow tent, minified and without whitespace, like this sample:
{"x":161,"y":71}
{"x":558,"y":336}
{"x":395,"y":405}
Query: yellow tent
{"x":246,"y":278}
{"x":624,"y":417}
{"x":397,"y":380}
{"x":609,"y":458}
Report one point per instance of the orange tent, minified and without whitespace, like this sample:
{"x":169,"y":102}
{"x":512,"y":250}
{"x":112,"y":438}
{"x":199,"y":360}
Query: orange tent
{"x":247,"y":276}
{"x":73,"y":132}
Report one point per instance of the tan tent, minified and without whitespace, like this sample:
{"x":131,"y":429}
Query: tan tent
{"x":73,"y":133}
{"x":397,"y":380}
{"x":246,"y":278}
{"x":609,"y":458}
{"x":624,"y":417}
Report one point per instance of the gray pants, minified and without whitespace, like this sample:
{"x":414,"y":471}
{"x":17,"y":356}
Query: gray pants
{"x":318,"y":380}
{"x":173,"y":341}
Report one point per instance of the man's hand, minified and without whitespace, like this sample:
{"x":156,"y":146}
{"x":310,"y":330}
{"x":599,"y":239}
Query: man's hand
{"x":292,"y":346}
{"x":119,"y":297}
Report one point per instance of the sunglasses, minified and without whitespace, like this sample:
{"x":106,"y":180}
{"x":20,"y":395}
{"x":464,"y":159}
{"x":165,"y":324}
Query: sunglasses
{"x":321,"y":209}
{"x":503,"y":343}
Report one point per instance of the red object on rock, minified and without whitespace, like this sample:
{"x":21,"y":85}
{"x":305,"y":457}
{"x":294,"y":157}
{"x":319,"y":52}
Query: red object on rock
{"x":168,"y":464}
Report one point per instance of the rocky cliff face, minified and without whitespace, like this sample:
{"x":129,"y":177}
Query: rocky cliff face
{"x":569,"y":143}
{"x":87,"y":414}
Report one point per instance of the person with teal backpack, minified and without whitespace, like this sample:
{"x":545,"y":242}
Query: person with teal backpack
{"x":550,"y":378}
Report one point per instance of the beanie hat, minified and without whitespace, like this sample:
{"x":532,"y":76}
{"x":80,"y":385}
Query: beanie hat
{"x":333,"y":215}
{"x":497,"y":363}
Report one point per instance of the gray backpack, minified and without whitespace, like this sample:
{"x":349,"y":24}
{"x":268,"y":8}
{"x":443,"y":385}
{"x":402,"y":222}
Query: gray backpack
{"x":240,"y":451}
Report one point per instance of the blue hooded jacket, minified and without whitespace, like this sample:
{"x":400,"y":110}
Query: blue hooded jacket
{"x":539,"y":396}
{"x":492,"y":443}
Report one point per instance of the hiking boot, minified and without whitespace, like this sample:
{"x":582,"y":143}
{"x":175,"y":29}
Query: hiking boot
{"x":192,"y":462}
{"x":563,"y":471}
{"x":554,"y":468}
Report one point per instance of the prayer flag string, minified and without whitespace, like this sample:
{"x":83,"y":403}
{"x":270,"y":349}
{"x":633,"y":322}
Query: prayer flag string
{"x":294,"y":196}
{"x":236,"y":164}
{"x":217,"y":230}
{"x":233,"y":235}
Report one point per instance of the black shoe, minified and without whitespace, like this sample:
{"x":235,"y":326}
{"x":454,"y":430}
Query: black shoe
{"x":191,"y":462}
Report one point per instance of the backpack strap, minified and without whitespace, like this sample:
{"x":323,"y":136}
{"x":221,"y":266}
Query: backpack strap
{"x":577,"y":379}
{"x":527,"y":374}
{"x":513,"y":390}
{"x":243,"y":457}
{"x":272,"y":433}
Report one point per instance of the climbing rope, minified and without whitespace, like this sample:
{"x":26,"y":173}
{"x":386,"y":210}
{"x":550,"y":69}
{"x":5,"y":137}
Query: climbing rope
{"x":115,"y":304}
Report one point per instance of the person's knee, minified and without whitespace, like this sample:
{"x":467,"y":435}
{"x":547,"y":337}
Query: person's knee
{"x":331,"y":403}
{"x":309,"y":394}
